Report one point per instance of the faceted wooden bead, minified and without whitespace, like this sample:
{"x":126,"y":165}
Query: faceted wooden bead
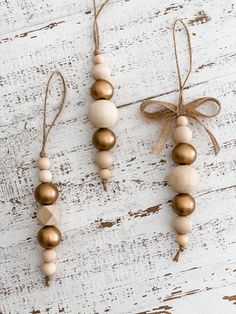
{"x":105,"y":174}
{"x":45,"y":176}
{"x":182,"y":134}
{"x":49,"y":256}
{"x":182,"y":225}
{"x":44,"y":163}
{"x":183,"y":179}
{"x":104,"y":139}
{"x":104,"y":159}
{"x":103,"y":113}
{"x":184,"y":154}
{"x":183,"y":204}
{"x":98,"y":59}
{"x":46,"y":193}
{"x":182,"y":240}
{"x":102,"y":89}
{"x":49,"y":237}
{"x":182,"y":120}
{"x":48,"y":215}
{"x":48,"y":269}
{"x":101,"y":72}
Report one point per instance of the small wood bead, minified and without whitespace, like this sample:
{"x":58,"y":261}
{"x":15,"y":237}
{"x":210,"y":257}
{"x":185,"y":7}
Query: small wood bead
{"x":45,"y":176}
{"x":49,"y":256}
{"x":44,"y":163}
{"x":182,"y":225}
{"x":105,"y":174}
{"x":182,"y":134}
{"x":49,"y":269}
{"x":182,"y":240}
{"x":183,"y":179}
{"x":101,"y":72}
{"x":182,"y":120}
{"x":98,"y":59}
{"x":103,"y":113}
{"x":104,"y":159}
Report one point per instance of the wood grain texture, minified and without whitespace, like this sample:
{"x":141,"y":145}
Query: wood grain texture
{"x":116,"y":255}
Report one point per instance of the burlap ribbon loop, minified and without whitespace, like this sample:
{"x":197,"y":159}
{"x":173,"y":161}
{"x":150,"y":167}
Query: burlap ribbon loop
{"x":167,"y":113}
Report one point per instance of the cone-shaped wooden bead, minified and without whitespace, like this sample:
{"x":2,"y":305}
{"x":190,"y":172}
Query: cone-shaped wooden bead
{"x":49,"y":215}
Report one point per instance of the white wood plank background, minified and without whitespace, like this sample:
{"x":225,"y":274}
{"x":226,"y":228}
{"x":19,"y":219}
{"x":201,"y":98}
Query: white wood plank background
{"x":116,"y":255}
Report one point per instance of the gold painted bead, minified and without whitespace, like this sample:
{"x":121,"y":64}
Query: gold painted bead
{"x":184,"y":154}
{"x":104,"y":139}
{"x":183,"y":204}
{"x":46,"y":193}
{"x":49,"y":237}
{"x":102,"y":89}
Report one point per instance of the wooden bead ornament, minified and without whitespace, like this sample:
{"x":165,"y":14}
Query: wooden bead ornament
{"x":102,"y":113}
{"x":46,"y":194}
{"x":184,"y":178}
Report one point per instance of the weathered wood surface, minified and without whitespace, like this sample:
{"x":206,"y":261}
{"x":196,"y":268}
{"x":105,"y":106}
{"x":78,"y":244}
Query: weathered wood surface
{"x":116,"y":256}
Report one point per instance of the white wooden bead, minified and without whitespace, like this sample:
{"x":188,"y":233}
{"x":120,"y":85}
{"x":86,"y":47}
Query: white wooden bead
{"x":101,"y":72}
{"x":183,"y":179}
{"x":49,"y":256}
{"x":45,"y":176}
{"x":49,"y":269}
{"x":105,"y":174}
{"x":103,"y":113}
{"x":104,"y":159}
{"x":44,"y":163}
{"x":182,"y":134}
{"x":98,"y":59}
{"x":182,"y":240}
{"x":182,"y":225}
{"x":182,"y":120}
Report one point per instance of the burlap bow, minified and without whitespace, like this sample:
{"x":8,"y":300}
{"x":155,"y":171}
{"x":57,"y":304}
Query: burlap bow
{"x":167,"y":113}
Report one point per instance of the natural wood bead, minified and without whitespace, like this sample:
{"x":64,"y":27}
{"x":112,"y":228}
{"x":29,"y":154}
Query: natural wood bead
{"x":184,"y":154}
{"x":105,"y":174}
{"x":45,"y":176}
{"x":102,"y":89}
{"x":103,"y":113}
{"x":101,"y":72}
{"x":182,"y":120}
{"x":48,"y":269}
{"x":182,"y":225}
{"x":104,"y":139}
{"x":182,"y":134}
{"x":182,"y":240}
{"x":49,"y":237}
{"x":46,"y":193}
{"x":183,"y":179}
{"x":44,"y":163}
{"x":98,"y":59}
{"x":183,"y":204}
{"x":104,"y":159}
{"x":49,"y":256}
{"x":48,"y":215}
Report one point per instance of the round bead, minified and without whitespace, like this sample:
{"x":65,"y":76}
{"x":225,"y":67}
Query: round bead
{"x":98,"y":59}
{"x":184,"y":179}
{"x":101,"y":72}
{"x":44,"y":163}
{"x":182,"y":120}
{"x":104,"y":139}
{"x":45,"y":176}
{"x":182,"y":240}
{"x":103,"y":114}
{"x":49,"y":237}
{"x":49,"y":269}
{"x":104,"y":159}
{"x":182,"y":225}
{"x":46,"y":193}
{"x":183,"y":204}
{"x":49,"y":256}
{"x":184,"y":154}
{"x":182,"y":134}
{"x":105,"y":174}
{"x":102,"y":89}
